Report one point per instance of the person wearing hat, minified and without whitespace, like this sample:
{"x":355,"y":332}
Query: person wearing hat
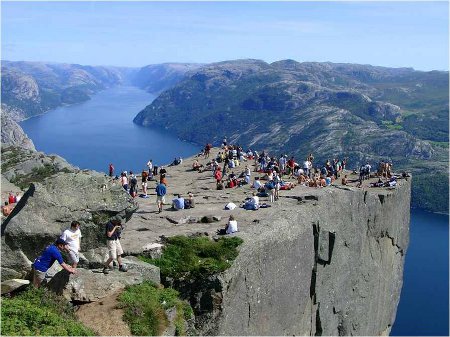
{"x":43,"y":262}
{"x":113,"y":231}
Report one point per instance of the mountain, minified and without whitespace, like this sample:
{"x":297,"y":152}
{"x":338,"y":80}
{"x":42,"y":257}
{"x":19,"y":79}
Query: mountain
{"x":359,"y":111}
{"x":32,"y":88}
{"x":155,"y":78}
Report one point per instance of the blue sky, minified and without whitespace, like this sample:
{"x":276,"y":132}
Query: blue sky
{"x":394,"y":34}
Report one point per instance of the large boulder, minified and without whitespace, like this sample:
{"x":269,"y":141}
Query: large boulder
{"x":48,"y":207}
{"x":92,"y":285}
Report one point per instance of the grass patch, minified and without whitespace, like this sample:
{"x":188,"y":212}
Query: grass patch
{"x":193,"y":257}
{"x":145,"y":308}
{"x":443,"y":145}
{"x":40,"y":312}
{"x":38,"y":174}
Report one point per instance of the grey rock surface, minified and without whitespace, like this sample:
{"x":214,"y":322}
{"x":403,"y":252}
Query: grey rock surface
{"x":92,"y":285}
{"x":319,"y":261}
{"x":13,"y":134}
{"x":48,"y":207}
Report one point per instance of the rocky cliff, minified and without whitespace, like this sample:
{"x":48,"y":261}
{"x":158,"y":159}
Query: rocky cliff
{"x":329,"y":266}
{"x":323,"y":261}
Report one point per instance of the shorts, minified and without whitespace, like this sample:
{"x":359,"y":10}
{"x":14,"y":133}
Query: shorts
{"x":73,"y":257}
{"x":144,"y":184}
{"x":114,"y":248}
{"x":38,"y":276}
{"x":161,"y":198}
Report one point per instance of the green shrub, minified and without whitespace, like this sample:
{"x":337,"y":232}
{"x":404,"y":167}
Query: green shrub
{"x":41,"y":313}
{"x":145,"y":305}
{"x":196,"y":257}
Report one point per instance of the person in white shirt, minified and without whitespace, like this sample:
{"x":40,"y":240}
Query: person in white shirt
{"x":73,"y":238}
{"x":232,"y":226}
{"x":257,"y":183}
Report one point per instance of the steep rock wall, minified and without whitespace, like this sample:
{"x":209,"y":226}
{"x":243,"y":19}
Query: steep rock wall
{"x":331,"y":266}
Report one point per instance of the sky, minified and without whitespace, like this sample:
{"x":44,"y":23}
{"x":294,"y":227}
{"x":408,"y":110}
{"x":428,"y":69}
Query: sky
{"x":393,"y":34}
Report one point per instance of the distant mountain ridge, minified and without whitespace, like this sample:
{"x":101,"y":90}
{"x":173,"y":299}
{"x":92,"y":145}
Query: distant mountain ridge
{"x":360,"y":111}
{"x":32,"y":88}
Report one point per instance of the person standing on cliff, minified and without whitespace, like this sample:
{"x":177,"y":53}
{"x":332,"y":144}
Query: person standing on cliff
{"x":43,"y":262}
{"x":73,"y":238}
{"x":111,"y":170}
{"x":160,"y":195}
{"x":113,"y":231}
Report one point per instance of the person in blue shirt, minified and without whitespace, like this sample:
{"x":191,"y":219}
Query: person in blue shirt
{"x":43,"y":262}
{"x":178,"y":203}
{"x":160,"y":195}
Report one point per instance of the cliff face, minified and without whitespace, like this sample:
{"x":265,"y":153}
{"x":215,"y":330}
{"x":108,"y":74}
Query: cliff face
{"x":332,"y":266}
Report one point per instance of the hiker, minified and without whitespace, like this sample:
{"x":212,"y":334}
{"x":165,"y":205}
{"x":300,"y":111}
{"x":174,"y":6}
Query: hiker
{"x":277,"y":181}
{"x":133,"y":184}
{"x":290,"y":166}
{"x":7,"y":208}
{"x":218,"y":176}
{"x":49,"y":255}
{"x":189,"y":202}
{"x":160,"y":195}
{"x":124,"y":181}
{"x":18,"y":197}
{"x":72,"y":236}
{"x":12,"y":198}
{"x":231,"y":226}
{"x":257,"y":184}
{"x":144,"y":182}
{"x":252,"y":203}
{"x":247,"y":174}
{"x":162,"y":171}
{"x":150,"y":167}
{"x":207,"y":150}
{"x":270,"y":189}
{"x":113,"y":232}
{"x":178,"y":203}
{"x":111,"y":170}
{"x":344,"y":180}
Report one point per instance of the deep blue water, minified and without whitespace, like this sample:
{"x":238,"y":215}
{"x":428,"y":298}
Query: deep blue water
{"x":94,"y":133}
{"x":101,"y":131}
{"x":424,"y":303}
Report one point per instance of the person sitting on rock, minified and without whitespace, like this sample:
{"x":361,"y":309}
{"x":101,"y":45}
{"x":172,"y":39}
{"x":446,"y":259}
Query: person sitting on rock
{"x":49,"y":255}
{"x":178,"y":203}
{"x":252,"y":203}
{"x":7,"y":208}
{"x":196,"y":166}
{"x":256,"y":183}
{"x":113,"y":232}
{"x":344,"y":180}
{"x":189,"y":202}
{"x":232,"y":226}
{"x":72,"y":236}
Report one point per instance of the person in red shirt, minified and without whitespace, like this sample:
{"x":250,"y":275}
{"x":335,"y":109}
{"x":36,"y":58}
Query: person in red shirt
{"x":111,"y":170}
{"x":291,"y":164}
{"x":218,"y":175}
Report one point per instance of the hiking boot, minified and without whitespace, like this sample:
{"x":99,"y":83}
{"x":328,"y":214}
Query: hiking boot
{"x":105,"y":270}
{"x":122,"y":268}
